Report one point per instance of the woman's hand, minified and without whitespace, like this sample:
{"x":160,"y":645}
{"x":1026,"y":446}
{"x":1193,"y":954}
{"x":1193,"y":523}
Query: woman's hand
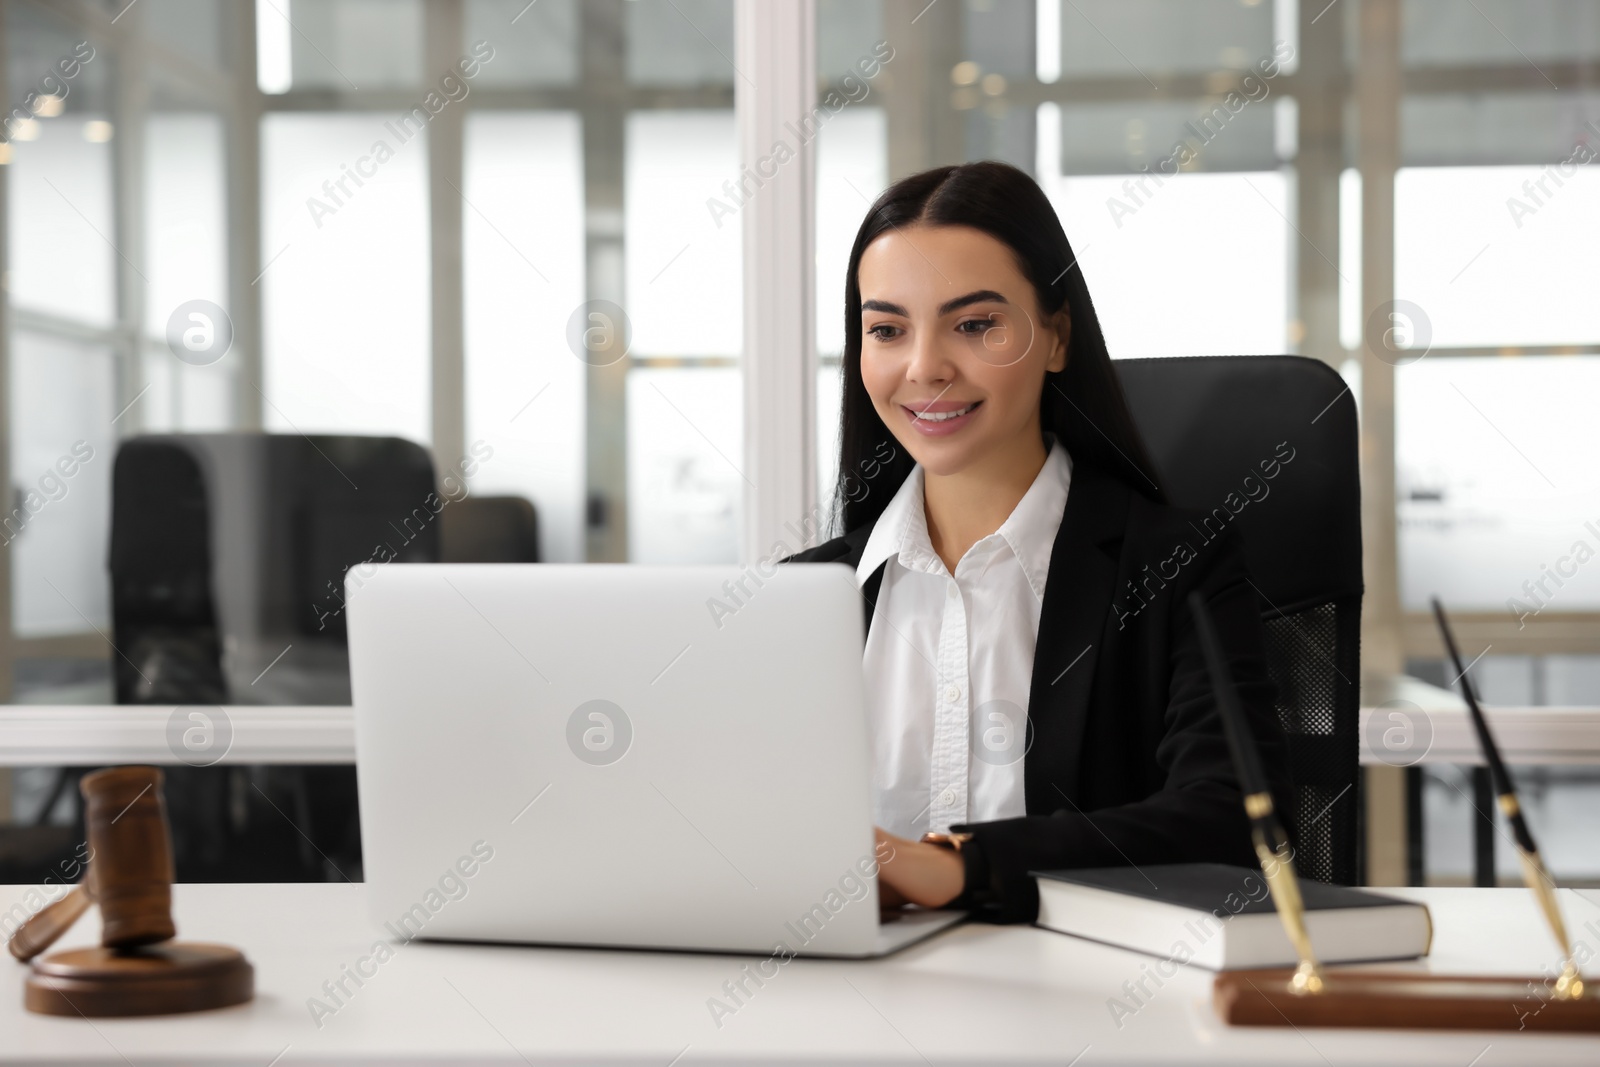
{"x":915,"y":873}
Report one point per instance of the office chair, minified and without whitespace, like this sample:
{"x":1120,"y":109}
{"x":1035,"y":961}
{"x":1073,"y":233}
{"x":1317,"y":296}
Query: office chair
{"x":228,"y":553}
{"x":490,"y":529}
{"x":1210,"y":423}
{"x":168,"y":650}
{"x":162,"y":608}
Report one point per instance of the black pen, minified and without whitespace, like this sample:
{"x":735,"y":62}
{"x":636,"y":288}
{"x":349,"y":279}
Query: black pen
{"x":1272,"y":845}
{"x":1570,"y":985}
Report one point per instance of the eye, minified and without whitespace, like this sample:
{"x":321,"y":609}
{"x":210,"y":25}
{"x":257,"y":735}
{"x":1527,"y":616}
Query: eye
{"x":978,"y":326}
{"x":883,"y":331}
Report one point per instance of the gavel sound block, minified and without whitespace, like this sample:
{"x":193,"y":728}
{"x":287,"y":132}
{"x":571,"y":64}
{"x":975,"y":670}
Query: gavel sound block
{"x":137,"y":969}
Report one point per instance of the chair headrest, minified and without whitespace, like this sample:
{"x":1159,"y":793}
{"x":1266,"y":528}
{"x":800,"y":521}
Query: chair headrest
{"x":1266,"y":443}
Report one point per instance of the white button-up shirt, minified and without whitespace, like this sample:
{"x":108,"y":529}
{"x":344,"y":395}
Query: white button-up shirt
{"x":949,"y":658}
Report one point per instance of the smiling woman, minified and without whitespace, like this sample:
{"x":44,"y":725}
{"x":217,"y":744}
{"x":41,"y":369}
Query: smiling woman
{"x":1025,"y":310}
{"x":1017,"y":722}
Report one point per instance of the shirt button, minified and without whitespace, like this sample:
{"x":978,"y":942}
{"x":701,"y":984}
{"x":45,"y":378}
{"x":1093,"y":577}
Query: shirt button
{"x":952,"y":693}
{"x":950,"y":591}
{"x":948,"y":797}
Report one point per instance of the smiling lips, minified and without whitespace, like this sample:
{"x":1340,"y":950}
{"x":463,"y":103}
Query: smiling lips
{"x":941,"y":417}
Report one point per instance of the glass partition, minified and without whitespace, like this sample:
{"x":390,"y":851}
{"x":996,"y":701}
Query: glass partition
{"x":345,"y":288}
{"x":344,"y":220}
{"x":256,"y":249}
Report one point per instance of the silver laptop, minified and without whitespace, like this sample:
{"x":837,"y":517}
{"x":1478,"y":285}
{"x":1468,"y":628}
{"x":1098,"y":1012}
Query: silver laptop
{"x":631,"y":756}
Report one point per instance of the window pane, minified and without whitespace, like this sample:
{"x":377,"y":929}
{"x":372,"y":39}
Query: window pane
{"x":1494,"y":258}
{"x":1494,"y":470}
{"x":338,"y":44}
{"x":63,"y":259}
{"x":1447,"y":33}
{"x":345,"y":297}
{"x":185,"y":215}
{"x":49,"y":56}
{"x":1200,"y":267}
{"x":852,"y":169}
{"x":1443,"y":129}
{"x":1350,"y":259}
{"x":683,"y":233}
{"x":62,"y":446}
{"x":685,"y":441}
{"x":534,"y":44}
{"x":1116,"y":138}
{"x":999,"y":37}
{"x":185,"y":260}
{"x":181,"y":398}
{"x":680,"y":42}
{"x":274,"y":66}
{"x":1132,"y":38}
{"x":523,"y":252}
{"x":846,"y":31}
{"x":191,"y":28}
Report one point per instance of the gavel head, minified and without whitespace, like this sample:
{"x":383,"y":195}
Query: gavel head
{"x":130,"y":868}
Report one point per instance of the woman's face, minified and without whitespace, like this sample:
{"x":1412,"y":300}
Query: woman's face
{"x":953,"y":348}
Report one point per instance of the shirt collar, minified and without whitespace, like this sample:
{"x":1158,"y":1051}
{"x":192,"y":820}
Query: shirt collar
{"x":890,"y":534}
{"x":1029,"y":531}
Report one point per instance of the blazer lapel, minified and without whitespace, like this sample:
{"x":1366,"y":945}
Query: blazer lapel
{"x":1073,"y":622}
{"x":848,"y":550}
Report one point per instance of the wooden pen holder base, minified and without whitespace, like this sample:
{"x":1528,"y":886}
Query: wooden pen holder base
{"x":161,"y":979}
{"x":1400,"y":1001}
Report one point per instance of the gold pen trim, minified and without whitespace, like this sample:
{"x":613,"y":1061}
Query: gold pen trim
{"x":1257,"y":805}
{"x":1569,"y":986}
{"x":1278,"y":866}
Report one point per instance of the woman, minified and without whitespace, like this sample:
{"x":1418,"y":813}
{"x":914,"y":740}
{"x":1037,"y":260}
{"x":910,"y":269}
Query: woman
{"x":1037,"y":696}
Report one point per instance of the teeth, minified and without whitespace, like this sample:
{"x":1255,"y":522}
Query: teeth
{"x":943,"y":416}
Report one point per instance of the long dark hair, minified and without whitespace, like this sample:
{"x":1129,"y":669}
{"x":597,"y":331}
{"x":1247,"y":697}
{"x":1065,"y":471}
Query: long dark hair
{"x":1082,"y":405}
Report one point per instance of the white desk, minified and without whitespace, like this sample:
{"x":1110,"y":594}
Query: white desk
{"x":1439,"y":718}
{"x":98,"y":735}
{"x":975,"y":995}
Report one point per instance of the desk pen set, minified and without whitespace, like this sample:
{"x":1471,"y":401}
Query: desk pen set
{"x":1310,"y":995}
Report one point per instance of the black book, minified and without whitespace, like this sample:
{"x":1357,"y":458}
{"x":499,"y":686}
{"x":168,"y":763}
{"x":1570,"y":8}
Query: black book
{"x":1222,"y":918}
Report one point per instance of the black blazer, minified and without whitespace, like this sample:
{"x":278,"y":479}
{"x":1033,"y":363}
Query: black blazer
{"x":1127,"y":762}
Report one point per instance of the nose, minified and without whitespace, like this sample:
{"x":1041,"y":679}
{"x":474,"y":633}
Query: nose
{"x":930,"y":361}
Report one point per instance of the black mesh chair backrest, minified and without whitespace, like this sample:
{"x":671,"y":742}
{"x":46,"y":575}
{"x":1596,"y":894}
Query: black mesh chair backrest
{"x":1269,"y":444}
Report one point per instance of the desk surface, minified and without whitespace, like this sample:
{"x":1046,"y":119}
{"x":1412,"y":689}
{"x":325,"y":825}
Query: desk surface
{"x":974,"y":995}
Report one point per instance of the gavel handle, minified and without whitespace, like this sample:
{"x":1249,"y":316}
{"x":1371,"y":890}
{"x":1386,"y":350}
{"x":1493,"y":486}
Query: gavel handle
{"x":49,"y":923}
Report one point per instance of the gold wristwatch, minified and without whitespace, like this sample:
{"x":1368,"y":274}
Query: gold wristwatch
{"x":953,"y":842}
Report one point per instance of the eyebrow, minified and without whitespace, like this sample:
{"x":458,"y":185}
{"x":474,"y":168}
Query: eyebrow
{"x":977,"y":296}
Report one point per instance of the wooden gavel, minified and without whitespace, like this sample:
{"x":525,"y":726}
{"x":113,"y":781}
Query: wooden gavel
{"x":138,"y":969}
{"x":130,"y":869}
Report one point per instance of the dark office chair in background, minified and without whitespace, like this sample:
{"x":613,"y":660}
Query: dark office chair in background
{"x":169,"y":649}
{"x":163,"y":608}
{"x":228,"y":553}
{"x":490,"y":529}
{"x":1210,"y":423}
{"x":235,"y":546}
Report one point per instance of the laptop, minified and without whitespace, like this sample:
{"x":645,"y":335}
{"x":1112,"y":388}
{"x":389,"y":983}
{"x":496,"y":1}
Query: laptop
{"x":618,"y":755}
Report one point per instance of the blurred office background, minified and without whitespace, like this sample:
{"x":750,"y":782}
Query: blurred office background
{"x":431,"y":291}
